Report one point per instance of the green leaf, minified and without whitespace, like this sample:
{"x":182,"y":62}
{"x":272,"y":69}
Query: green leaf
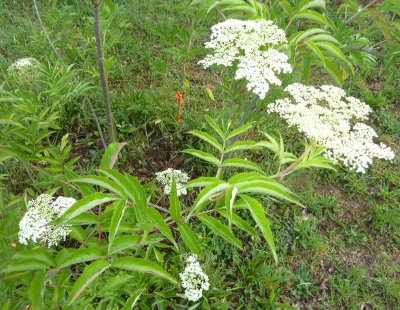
{"x":36,"y":290}
{"x":133,"y":299}
{"x":90,"y":273}
{"x":111,"y":4}
{"x":118,"y":178}
{"x":313,"y":4}
{"x":208,"y":192}
{"x":312,"y":16}
{"x":241,"y":223}
{"x":207,"y":138}
{"x":83,"y":205}
{"x":332,"y":49}
{"x":68,"y":257}
{"x":204,"y":156}
{"x":174,"y":203}
{"x":300,"y":36}
{"x":203,"y":182}
{"x":215,"y":126}
{"x":85,"y":219}
{"x":124,"y":242}
{"x":157,"y":219}
{"x":41,"y":254}
{"x":242,"y":145}
{"x":220,"y":229}
{"x":142,"y":265}
{"x":102,"y":182}
{"x":316,"y":50}
{"x":78,"y":233}
{"x":258,"y":214}
{"x":334,"y":71}
{"x":190,"y":238}
{"x":230,"y":196}
{"x":267,"y":188}
{"x":138,"y":195}
{"x":111,"y":155}
{"x":116,"y":219}
{"x":241,"y":163}
{"x":25,"y":265}
{"x":239,"y":130}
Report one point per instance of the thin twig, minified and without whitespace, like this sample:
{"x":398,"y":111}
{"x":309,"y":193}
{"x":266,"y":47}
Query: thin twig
{"x":46,"y":33}
{"x":97,"y":122}
{"x":96,"y":119}
{"x":360,"y":12}
{"x":159,"y":208}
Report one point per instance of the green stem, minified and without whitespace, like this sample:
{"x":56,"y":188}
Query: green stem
{"x":102,"y":70}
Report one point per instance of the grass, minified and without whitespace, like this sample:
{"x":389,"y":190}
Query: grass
{"x":339,"y":252}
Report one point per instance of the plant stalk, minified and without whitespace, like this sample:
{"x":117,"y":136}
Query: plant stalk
{"x":96,"y":119}
{"x":102,"y":71}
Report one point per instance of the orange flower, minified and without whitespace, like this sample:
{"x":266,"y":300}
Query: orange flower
{"x":179,"y":96}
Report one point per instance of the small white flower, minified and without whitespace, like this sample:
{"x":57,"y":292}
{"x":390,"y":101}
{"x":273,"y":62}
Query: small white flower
{"x":165,"y":179}
{"x":24,"y":71}
{"x":332,"y":119}
{"x":252,"y":46}
{"x":35,"y":225}
{"x":194,"y":280}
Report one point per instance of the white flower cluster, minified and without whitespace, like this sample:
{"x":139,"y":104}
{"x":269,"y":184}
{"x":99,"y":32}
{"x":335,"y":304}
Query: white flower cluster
{"x":250,"y":44}
{"x":24,"y":70}
{"x":331,"y":118}
{"x":165,"y":179}
{"x":35,"y":225}
{"x":194,"y":280}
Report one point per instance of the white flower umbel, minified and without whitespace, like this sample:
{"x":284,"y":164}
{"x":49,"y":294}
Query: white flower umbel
{"x":35,"y":225}
{"x":165,"y":179}
{"x":332,"y":119}
{"x":251,"y":45}
{"x":194,"y":280}
{"x":24,"y":70}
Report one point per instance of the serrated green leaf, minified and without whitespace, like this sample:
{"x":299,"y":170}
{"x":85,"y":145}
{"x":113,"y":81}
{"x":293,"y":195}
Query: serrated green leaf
{"x":157,"y":219}
{"x":84,"y":205}
{"x":142,"y":265}
{"x":133,"y":299}
{"x":334,"y":71}
{"x":36,"y":290}
{"x":41,"y":254}
{"x":116,"y":219}
{"x":204,"y":156}
{"x":241,"y":223}
{"x":239,"y":130}
{"x":230,"y":196}
{"x":241,"y":146}
{"x":111,"y":155}
{"x":241,"y":163}
{"x":203,"y":182}
{"x":267,"y":188}
{"x":215,"y":126}
{"x":122,"y":243}
{"x":102,"y":182}
{"x":190,"y":238}
{"x":220,"y":229}
{"x":207,"y":138}
{"x":85,"y":219}
{"x":313,"y":16}
{"x":208,"y":192}
{"x":89,"y":274}
{"x":76,"y":256}
{"x":25,"y":265}
{"x":258,"y":214}
{"x":174,"y":203}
